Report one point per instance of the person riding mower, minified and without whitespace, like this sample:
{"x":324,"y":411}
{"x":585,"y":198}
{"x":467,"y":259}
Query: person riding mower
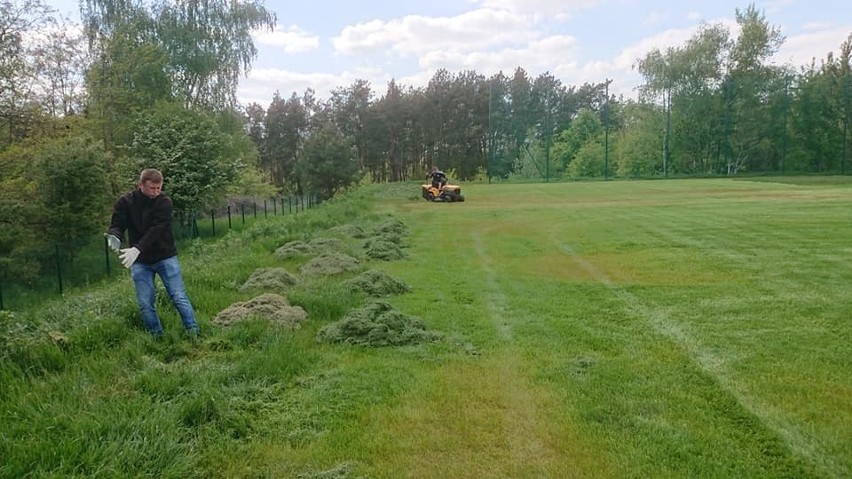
{"x":439,"y":190}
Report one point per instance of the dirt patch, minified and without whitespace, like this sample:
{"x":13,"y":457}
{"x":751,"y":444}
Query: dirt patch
{"x":272,"y":307}
{"x":269,"y":279}
{"x":377,"y":283}
{"x":329,"y":263}
{"x":377,"y":324}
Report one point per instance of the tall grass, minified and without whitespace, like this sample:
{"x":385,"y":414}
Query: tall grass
{"x":688,"y":328}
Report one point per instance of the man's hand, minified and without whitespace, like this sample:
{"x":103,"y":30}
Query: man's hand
{"x":113,"y":242}
{"x":128,"y":256}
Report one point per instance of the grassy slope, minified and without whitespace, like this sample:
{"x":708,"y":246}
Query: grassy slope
{"x":690,"y":328}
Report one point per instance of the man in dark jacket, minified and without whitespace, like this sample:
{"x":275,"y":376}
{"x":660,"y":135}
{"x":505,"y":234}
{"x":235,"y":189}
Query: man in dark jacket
{"x":146,"y":214}
{"x":438,"y":177}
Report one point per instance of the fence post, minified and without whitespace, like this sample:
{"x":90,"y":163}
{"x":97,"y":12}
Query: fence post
{"x":265,"y":209}
{"x":229,"y":216}
{"x":290,"y":203}
{"x":274,"y":206}
{"x":243,"y":212}
{"x":254,"y":203}
{"x":847,"y":94}
{"x":58,"y":267}
{"x":213,"y":221}
{"x":193,"y":226}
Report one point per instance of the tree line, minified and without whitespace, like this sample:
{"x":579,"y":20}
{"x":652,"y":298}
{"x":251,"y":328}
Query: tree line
{"x":153,"y":83}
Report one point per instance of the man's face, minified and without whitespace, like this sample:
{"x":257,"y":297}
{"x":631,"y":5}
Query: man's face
{"x":151,"y":189}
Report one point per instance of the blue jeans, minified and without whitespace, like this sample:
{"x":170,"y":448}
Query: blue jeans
{"x":169,"y":272}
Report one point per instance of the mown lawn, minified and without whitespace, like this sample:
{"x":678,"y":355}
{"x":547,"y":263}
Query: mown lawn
{"x":680,"y":328}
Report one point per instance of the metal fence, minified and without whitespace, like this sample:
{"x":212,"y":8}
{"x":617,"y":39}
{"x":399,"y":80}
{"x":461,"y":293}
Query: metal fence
{"x":742,"y":125}
{"x":92,"y":261}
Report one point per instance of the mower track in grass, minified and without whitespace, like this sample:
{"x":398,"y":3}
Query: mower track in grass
{"x":632,"y":314}
{"x":715,"y":366}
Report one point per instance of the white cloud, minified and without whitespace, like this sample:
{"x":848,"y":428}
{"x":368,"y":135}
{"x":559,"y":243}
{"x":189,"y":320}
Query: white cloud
{"x":416,"y":34}
{"x":655,"y":18}
{"x":815,"y":26}
{"x":799,"y":50}
{"x":536,"y":55}
{"x":538,"y":7}
{"x":620,"y":68}
{"x":261,"y":83}
{"x":292,"y":39}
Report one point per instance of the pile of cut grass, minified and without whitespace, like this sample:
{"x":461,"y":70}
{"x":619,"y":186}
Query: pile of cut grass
{"x":269,"y":279}
{"x":268,"y":306}
{"x":377,"y":324}
{"x":377,"y":283}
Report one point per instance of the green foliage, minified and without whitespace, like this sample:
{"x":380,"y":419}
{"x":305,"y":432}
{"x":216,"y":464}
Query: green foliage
{"x":588,"y":162}
{"x":55,"y":193}
{"x":209,"y":46}
{"x":585,"y":129}
{"x":72,"y":182}
{"x":191,"y":150}
{"x":327,"y":164}
{"x":18,"y":213}
{"x":638,"y":149}
{"x":284,"y":129}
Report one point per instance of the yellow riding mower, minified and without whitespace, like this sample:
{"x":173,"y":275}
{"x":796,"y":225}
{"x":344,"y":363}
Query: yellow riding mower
{"x":448,"y":194}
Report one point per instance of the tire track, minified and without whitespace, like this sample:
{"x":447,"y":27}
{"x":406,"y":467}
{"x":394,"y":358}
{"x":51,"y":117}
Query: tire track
{"x":714,"y":365}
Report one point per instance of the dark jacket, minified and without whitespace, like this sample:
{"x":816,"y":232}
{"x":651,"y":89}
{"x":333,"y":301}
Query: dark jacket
{"x":438,"y":177}
{"x":148,"y":223}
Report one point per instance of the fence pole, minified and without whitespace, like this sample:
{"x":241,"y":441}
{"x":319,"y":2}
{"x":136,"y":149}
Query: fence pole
{"x":290,"y":203}
{"x":58,"y":268}
{"x":784,"y":133}
{"x":606,"y":133}
{"x":255,"y":208}
{"x":274,"y":206}
{"x":213,"y":221}
{"x":229,"y":216}
{"x":243,"y":212}
{"x":193,"y":226}
{"x":847,"y":92}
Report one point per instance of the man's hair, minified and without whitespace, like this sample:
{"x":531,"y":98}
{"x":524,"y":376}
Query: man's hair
{"x":151,"y":174}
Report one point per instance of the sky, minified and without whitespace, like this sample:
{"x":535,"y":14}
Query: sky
{"x":326,"y":44}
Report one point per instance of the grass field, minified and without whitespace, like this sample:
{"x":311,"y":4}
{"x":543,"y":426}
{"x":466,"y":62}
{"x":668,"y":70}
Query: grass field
{"x":682,"y":328}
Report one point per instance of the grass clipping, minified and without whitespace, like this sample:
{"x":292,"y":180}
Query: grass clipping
{"x":377,"y":324}
{"x":269,"y":279}
{"x":328,"y":264}
{"x":272,"y":307}
{"x":377,"y":283}
{"x":294,"y":249}
{"x":387,"y":243}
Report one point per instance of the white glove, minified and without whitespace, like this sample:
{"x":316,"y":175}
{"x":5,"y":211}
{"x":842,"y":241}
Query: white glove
{"x":113,"y":242}
{"x":128,"y":256}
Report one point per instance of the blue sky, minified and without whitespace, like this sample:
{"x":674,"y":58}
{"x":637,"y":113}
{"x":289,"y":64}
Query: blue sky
{"x":325,"y":44}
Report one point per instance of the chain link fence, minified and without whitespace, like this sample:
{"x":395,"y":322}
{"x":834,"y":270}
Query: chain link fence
{"x":66,"y":264}
{"x":755,"y":124}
